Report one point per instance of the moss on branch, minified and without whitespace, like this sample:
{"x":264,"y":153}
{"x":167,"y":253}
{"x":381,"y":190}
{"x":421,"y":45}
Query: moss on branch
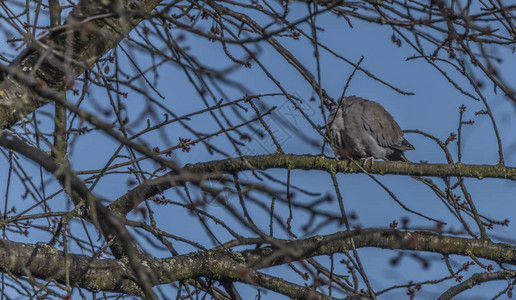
{"x":124,"y":204}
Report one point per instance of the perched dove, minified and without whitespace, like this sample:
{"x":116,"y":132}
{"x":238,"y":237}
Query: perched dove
{"x":363,"y":129}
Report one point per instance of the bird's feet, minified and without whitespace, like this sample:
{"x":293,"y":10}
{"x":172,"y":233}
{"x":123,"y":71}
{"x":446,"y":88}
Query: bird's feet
{"x":366,"y":159}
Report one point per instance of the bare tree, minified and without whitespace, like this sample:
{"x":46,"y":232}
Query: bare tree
{"x":154,"y":149}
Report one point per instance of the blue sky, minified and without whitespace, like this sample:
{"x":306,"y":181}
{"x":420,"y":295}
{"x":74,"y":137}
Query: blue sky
{"x":433,"y":108}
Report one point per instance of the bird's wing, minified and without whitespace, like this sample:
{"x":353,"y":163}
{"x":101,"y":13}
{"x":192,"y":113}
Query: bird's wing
{"x":382,"y":127}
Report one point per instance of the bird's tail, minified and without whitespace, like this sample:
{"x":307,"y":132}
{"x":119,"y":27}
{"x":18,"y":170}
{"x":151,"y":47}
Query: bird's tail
{"x":403,"y":146}
{"x":397,"y":156}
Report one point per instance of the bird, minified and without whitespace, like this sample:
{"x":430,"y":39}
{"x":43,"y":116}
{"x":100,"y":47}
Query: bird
{"x":362,"y":129}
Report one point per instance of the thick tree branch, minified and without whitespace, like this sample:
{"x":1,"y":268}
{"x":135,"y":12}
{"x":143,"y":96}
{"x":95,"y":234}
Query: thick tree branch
{"x":124,"y":204}
{"x":46,"y":262}
{"x":91,"y":39}
{"x":387,"y":239}
{"x":476,"y":280}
